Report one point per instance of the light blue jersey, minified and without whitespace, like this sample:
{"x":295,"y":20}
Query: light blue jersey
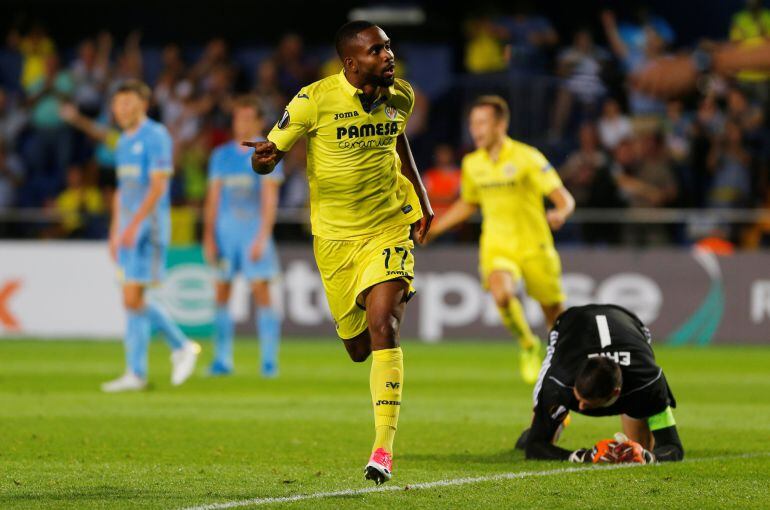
{"x":138,"y":156}
{"x":239,"y":213}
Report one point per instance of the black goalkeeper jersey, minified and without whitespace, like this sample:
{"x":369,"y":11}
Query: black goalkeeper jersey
{"x":598,"y":330}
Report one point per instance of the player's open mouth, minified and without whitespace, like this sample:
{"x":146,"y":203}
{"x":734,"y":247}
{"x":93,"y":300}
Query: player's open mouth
{"x":389,"y":71}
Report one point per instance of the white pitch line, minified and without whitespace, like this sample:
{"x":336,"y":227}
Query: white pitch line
{"x":446,"y":483}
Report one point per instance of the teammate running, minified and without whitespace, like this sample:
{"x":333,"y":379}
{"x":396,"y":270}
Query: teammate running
{"x":509,"y":181}
{"x":365,"y":193}
{"x":600,"y":363}
{"x":139,"y":236}
{"x":238,"y":236}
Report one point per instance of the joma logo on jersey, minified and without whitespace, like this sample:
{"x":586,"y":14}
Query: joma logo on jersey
{"x":391,"y":384}
{"x":379,"y":129}
{"x":345,"y":115}
{"x":388,"y":403}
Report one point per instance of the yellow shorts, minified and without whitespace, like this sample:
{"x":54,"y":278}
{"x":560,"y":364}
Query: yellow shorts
{"x":540,"y":269}
{"x":348,"y":268}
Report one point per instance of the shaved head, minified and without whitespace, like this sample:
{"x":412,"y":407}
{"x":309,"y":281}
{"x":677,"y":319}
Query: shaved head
{"x":347,"y":34}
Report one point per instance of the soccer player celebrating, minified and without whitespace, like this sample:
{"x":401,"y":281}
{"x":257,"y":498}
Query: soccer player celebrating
{"x":139,"y":235}
{"x":238,"y":236}
{"x":365,"y":193}
{"x":600,"y":363}
{"x":509,"y":180}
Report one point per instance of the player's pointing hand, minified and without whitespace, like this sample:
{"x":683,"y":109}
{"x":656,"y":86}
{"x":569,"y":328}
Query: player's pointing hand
{"x":265,"y":156}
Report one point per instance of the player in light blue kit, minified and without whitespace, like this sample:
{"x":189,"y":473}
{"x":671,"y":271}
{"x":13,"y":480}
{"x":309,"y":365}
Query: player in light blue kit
{"x":139,"y":236}
{"x":238,"y":236}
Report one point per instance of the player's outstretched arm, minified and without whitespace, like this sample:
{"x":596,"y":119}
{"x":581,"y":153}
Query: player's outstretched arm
{"x":673,"y":76}
{"x":458,"y":213}
{"x":409,"y":169}
{"x":266,"y":156}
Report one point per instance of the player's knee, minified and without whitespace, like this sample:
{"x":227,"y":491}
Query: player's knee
{"x":383,"y":329}
{"x":360,"y":355}
{"x":502,"y":299}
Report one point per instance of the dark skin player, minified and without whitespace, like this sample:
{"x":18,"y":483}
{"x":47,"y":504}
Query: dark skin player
{"x":369,"y":65}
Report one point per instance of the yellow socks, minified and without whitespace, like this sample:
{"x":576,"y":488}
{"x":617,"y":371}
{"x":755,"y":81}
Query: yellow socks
{"x":385,"y":382}
{"x":515,"y":321}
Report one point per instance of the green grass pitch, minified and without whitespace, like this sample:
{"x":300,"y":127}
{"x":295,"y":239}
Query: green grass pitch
{"x":63,"y":444}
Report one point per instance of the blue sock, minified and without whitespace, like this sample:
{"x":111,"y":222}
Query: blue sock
{"x":223,"y":337}
{"x":163,"y":322}
{"x":269,"y":333}
{"x":137,"y":342}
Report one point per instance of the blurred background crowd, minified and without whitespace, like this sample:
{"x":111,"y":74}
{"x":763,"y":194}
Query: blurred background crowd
{"x":568,"y":88}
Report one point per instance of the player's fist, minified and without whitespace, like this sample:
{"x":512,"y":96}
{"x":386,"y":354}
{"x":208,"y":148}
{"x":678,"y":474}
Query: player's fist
{"x":265,"y":156}
{"x":604,"y":452}
{"x":555,"y":218}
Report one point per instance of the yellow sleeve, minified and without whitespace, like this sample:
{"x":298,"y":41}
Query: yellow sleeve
{"x":544,"y":175}
{"x":408,"y":92}
{"x":298,"y":119}
{"x":469,"y":192}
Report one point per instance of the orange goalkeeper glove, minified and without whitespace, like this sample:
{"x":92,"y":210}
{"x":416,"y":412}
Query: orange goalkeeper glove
{"x":604,"y":452}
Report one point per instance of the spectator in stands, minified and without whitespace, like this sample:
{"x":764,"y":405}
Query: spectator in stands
{"x":677,"y":128}
{"x":105,"y":135}
{"x":584,"y":167}
{"x":36,"y":47}
{"x":614,"y":126}
{"x":586,"y":174}
{"x":129,"y":64}
{"x":634,"y":34}
{"x":640,"y":104}
{"x":751,"y":27}
{"x":215,"y":54}
{"x":266,"y":87}
{"x":294,"y":68}
{"x":13,"y":119}
{"x":730,"y":164}
{"x":485,"y":49}
{"x":77,"y":206}
{"x":748,"y":116}
{"x":646,"y":180}
{"x":171,"y":75}
{"x":678,"y":133}
{"x":529,"y":37}
{"x":90,"y":72}
{"x":193,"y":159}
{"x":51,"y":148}
{"x":579,"y":67}
{"x":442,"y":180}
{"x":11,"y":176}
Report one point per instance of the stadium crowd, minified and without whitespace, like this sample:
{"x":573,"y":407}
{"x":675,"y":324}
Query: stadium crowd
{"x":614,"y":146}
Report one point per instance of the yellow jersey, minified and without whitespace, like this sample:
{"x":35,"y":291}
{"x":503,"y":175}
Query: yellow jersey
{"x":510,"y":192}
{"x":354,"y":173}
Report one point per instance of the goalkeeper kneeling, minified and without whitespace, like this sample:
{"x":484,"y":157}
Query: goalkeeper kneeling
{"x":600,"y":363}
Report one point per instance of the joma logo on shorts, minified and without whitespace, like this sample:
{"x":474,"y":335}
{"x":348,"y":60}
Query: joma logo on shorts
{"x":345,"y":115}
{"x":388,"y":403}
